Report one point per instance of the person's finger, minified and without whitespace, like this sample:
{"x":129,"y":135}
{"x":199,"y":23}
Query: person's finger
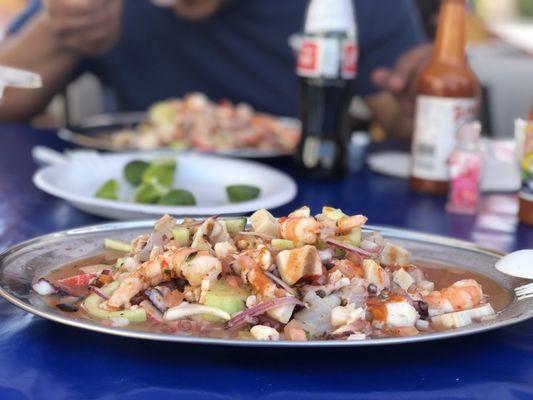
{"x":80,"y":24}
{"x":380,"y":77}
{"x":406,"y":69}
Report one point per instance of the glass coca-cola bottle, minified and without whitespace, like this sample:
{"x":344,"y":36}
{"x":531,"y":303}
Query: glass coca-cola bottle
{"x":327,"y":67}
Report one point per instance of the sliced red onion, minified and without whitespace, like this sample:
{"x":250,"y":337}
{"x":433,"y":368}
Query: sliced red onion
{"x":98,"y":292}
{"x":261,"y":308}
{"x":44,"y":287}
{"x":326,"y":255}
{"x":281,"y":283}
{"x":347,"y":247}
{"x":157,"y":299}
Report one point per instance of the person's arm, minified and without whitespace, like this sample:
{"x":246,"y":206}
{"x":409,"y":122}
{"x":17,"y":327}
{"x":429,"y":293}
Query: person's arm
{"x":36,"y":48}
{"x":52,"y":44}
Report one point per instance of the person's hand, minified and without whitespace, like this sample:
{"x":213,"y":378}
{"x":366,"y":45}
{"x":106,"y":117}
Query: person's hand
{"x":86,"y":27}
{"x":401,"y":80}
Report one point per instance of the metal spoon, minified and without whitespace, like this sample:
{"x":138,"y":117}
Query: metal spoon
{"x":518,"y":264}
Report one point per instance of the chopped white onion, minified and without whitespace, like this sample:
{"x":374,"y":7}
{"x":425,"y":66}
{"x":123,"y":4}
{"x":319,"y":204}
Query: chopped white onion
{"x":44,"y":288}
{"x":186,"y":310}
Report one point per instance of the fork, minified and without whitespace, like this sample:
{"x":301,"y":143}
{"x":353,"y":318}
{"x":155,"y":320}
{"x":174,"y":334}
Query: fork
{"x":524,"y":291}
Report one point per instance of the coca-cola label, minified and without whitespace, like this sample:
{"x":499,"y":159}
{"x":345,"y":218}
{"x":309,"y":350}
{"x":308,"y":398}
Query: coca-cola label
{"x":327,"y":57}
{"x":350,"y":56}
{"x":436,"y":123}
{"x":319,"y":58}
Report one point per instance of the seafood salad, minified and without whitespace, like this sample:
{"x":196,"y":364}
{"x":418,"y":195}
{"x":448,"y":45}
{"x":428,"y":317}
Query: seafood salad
{"x":294,"y":278}
{"x":196,"y":122}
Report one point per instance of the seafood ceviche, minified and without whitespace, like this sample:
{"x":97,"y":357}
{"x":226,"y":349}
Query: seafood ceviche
{"x":196,"y":122}
{"x":294,"y":278}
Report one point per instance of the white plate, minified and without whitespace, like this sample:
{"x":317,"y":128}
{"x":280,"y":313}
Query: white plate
{"x":205,"y":176}
{"x":500,"y":170}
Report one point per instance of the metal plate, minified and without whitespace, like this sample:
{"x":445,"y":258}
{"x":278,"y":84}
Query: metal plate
{"x":24,"y":263}
{"x":88,"y":134}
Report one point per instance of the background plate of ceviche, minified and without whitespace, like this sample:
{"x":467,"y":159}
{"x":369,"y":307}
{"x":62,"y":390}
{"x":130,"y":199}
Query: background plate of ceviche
{"x":150,"y":184}
{"x":191,"y":123}
{"x":298,"y":280}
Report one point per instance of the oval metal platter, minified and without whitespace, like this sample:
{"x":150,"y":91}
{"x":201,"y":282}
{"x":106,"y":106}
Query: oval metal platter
{"x":94,"y":132}
{"x":23,"y":264}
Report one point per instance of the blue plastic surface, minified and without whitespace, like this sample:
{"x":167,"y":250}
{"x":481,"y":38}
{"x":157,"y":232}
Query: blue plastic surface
{"x":44,"y":360}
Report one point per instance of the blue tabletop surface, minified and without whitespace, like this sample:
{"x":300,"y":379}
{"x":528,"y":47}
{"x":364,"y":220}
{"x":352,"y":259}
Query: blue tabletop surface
{"x":40,"y":359}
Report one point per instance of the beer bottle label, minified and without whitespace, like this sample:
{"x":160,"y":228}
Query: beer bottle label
{"x":436,"y":123}
{"x":327,"y":57}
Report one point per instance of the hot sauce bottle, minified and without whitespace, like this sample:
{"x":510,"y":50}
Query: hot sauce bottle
{"x":465,"y":171}
{"x":526,"y":167}
{"x":446,"y":100}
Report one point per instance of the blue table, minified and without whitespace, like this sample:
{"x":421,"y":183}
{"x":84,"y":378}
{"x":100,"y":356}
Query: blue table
{"x":44,"y":360}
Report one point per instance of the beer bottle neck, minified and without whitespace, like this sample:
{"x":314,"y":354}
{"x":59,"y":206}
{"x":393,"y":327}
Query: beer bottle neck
{"x":451,"y":33}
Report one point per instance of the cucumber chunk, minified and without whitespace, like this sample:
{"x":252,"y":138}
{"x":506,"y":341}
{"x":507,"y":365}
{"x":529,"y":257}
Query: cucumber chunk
{"x":240,"y":193}
{"x":92,"y":302}
{"x":226,"y":298}
{"x":109,"y":190}
{"x":178,"y":197}
{"x":117,"y":245}
{"x":182,"y":236}
{"x":282,"y":244}
{"x":133,"y":171}
{"x":234,"y":226}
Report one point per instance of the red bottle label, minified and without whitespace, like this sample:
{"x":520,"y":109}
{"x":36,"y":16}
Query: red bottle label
{"x":350,"y":54}
{"x":308,"y":58}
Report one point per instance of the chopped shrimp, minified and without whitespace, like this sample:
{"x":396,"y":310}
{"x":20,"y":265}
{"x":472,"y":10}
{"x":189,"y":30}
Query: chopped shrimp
{"x":261,"y":255}
{"x":346,"y":224}
{"x":185,"y":262}
{"x":210,"y":233}
{"x":462,"y":295}
{"x":348,"y":268}
{"x":298,"y":229}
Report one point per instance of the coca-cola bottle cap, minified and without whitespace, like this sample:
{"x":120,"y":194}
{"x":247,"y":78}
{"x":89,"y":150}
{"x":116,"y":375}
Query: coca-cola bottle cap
{"x":330,"y":16}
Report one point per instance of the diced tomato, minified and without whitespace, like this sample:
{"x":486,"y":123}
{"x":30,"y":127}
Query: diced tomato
{"x":174,"y":298}
{"x":77,"y":280}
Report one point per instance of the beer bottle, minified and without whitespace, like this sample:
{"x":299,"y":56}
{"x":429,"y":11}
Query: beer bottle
{"x":446,"y":100}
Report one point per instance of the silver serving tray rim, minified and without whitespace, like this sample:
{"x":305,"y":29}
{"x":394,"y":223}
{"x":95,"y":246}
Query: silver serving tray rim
{"x":131,"y":333}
